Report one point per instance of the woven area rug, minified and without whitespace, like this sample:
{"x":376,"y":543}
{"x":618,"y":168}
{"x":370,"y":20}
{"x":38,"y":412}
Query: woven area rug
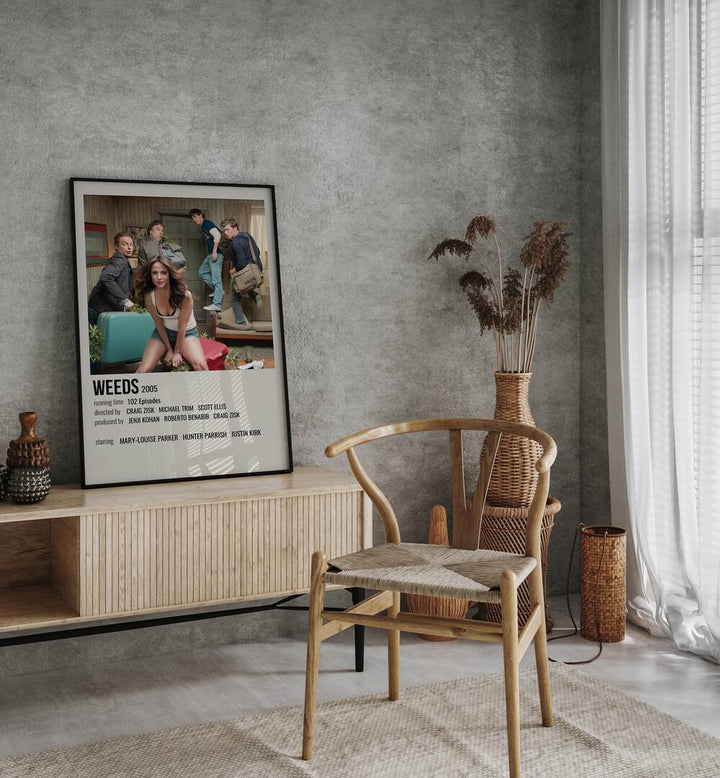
{"x":454,"y":728}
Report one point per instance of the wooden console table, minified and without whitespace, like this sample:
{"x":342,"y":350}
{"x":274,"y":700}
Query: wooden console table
{"x":85,"y":556}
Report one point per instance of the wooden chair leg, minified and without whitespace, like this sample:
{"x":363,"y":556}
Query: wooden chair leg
{"x":542,"y":662}
{"x":312,"y":668}
{"x":511,"y":661}
{"x":394,"y":652}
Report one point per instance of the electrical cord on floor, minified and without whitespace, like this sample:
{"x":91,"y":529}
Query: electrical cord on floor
{"x":567,"y":598}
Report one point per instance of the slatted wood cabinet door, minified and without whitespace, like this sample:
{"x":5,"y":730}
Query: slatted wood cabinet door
{"x":83,"y":555}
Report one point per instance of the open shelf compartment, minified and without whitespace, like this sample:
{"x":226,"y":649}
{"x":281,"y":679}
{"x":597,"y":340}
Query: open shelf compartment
{"x":39,"y":571}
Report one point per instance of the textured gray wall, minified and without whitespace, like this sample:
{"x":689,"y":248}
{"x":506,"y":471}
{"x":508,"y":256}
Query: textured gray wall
{"x":594,"y":475}
{"x":384,"y":125}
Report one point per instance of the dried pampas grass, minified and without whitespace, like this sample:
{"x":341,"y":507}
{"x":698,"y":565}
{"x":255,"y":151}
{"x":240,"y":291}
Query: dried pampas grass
{"x":508,"y":303}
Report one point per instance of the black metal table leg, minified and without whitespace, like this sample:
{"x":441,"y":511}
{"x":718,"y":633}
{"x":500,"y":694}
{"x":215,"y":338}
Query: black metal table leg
{"x":358,"y":595}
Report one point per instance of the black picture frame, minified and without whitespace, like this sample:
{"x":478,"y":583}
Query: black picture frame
{"x":142,"y":422}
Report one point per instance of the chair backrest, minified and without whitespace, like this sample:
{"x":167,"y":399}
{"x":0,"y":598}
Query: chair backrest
{"x":467,"y":514}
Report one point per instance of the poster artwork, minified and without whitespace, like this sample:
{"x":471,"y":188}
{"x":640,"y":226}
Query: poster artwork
{"x":181,"y":349}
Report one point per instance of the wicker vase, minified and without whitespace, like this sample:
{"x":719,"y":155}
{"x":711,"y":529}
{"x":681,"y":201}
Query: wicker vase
{"x":514,"y":476}
{"x":28,"y":450}
{"x":423,"y":604}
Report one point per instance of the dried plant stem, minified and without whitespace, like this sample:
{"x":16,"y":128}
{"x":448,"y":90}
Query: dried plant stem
{"x":532,"y":337}
{"x":521,"y":328}
{"x":501,"y":275}
{"x":522,"y":340}
{"x":529,"y":316}
{"x":497,"y":294}
{"x":505,"y":362}
{"x":503,"y":359}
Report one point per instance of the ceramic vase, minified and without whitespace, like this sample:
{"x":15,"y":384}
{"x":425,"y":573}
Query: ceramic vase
{"x":4,"y":473}
{"x":28,"y":450}
{"x":28,"y":484}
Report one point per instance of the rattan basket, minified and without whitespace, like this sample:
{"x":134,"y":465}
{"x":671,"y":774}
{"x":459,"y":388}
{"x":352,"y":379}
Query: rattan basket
{"x":602,"y":583}
{"x":503,"y":529}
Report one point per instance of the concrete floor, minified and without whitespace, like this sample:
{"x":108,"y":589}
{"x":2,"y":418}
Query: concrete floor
{"x":105,"y":699}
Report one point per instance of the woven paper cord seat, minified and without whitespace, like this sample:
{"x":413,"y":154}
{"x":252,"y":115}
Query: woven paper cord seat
{"x":415,"y":568}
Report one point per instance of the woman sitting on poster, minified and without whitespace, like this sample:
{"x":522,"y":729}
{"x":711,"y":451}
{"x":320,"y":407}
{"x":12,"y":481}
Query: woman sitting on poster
{"x":164,"y":293}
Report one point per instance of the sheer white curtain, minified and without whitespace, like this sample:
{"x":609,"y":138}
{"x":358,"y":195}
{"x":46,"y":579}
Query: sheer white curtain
{"x":661,"y":233}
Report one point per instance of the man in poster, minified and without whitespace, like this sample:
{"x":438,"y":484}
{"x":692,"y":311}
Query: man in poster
{"x":150,"y":245}
{"x":211,"y":268}
{"x":112,"y":291}
{"x":242,"y":250}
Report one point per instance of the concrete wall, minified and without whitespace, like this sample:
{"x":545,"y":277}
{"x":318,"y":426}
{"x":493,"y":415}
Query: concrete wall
{"x":384,"y":125}
{"x":595,"y":488}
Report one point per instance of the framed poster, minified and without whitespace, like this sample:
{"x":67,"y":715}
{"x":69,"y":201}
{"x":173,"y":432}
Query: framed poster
{"x":181,"y":375}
